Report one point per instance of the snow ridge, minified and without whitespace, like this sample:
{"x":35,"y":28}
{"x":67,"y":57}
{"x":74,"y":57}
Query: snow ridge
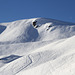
{"x":22,"y":31}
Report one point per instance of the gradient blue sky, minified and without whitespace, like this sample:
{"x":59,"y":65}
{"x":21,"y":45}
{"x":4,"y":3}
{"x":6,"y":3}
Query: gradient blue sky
{"x":11,"y":10}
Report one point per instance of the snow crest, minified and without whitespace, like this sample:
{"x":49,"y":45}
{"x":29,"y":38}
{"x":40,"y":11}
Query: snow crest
{"x":23,"y":31}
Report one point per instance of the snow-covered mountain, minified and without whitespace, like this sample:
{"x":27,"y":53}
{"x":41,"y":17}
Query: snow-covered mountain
{"x":45,"y":49}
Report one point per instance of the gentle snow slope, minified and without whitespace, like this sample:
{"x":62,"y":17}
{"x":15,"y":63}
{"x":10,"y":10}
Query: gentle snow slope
{"x":26,"y":50}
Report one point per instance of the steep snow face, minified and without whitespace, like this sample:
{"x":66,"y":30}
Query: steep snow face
{"x":48,"y":29}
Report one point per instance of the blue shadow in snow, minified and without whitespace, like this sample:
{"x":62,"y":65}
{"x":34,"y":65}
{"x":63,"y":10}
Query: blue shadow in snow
{"x":2,"y":28}
{"x":10,"y":58}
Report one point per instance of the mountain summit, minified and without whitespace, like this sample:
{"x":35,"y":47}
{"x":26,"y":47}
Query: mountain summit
{"x":37,"y":46}
{"x":23,"y":30}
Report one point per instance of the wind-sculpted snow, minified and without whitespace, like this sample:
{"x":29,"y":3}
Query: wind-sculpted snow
{"x":23,"y":31}
{"x":20,"y":31}
{"x":54,"y":59}
{"x":8,"y":59}
{"x":49,"y":56}
{"x":16,"y":66}
{"x":45,"y":49}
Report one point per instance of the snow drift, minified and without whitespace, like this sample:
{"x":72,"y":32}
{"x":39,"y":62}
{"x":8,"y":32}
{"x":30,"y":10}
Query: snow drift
{"x":48,"y":49}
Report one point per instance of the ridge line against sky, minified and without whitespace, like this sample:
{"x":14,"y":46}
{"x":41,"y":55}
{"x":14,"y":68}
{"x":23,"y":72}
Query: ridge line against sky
{"x":24,"y":9}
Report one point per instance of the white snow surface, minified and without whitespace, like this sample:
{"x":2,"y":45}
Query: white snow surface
{"x":48,"y":49}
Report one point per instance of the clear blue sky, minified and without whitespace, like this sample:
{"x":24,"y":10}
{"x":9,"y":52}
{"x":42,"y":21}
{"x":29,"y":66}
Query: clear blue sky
{"x":11,"y":10}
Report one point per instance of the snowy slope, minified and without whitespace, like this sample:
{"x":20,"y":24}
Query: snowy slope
{"x":46,"y":50}
{"x":23,"y":31}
